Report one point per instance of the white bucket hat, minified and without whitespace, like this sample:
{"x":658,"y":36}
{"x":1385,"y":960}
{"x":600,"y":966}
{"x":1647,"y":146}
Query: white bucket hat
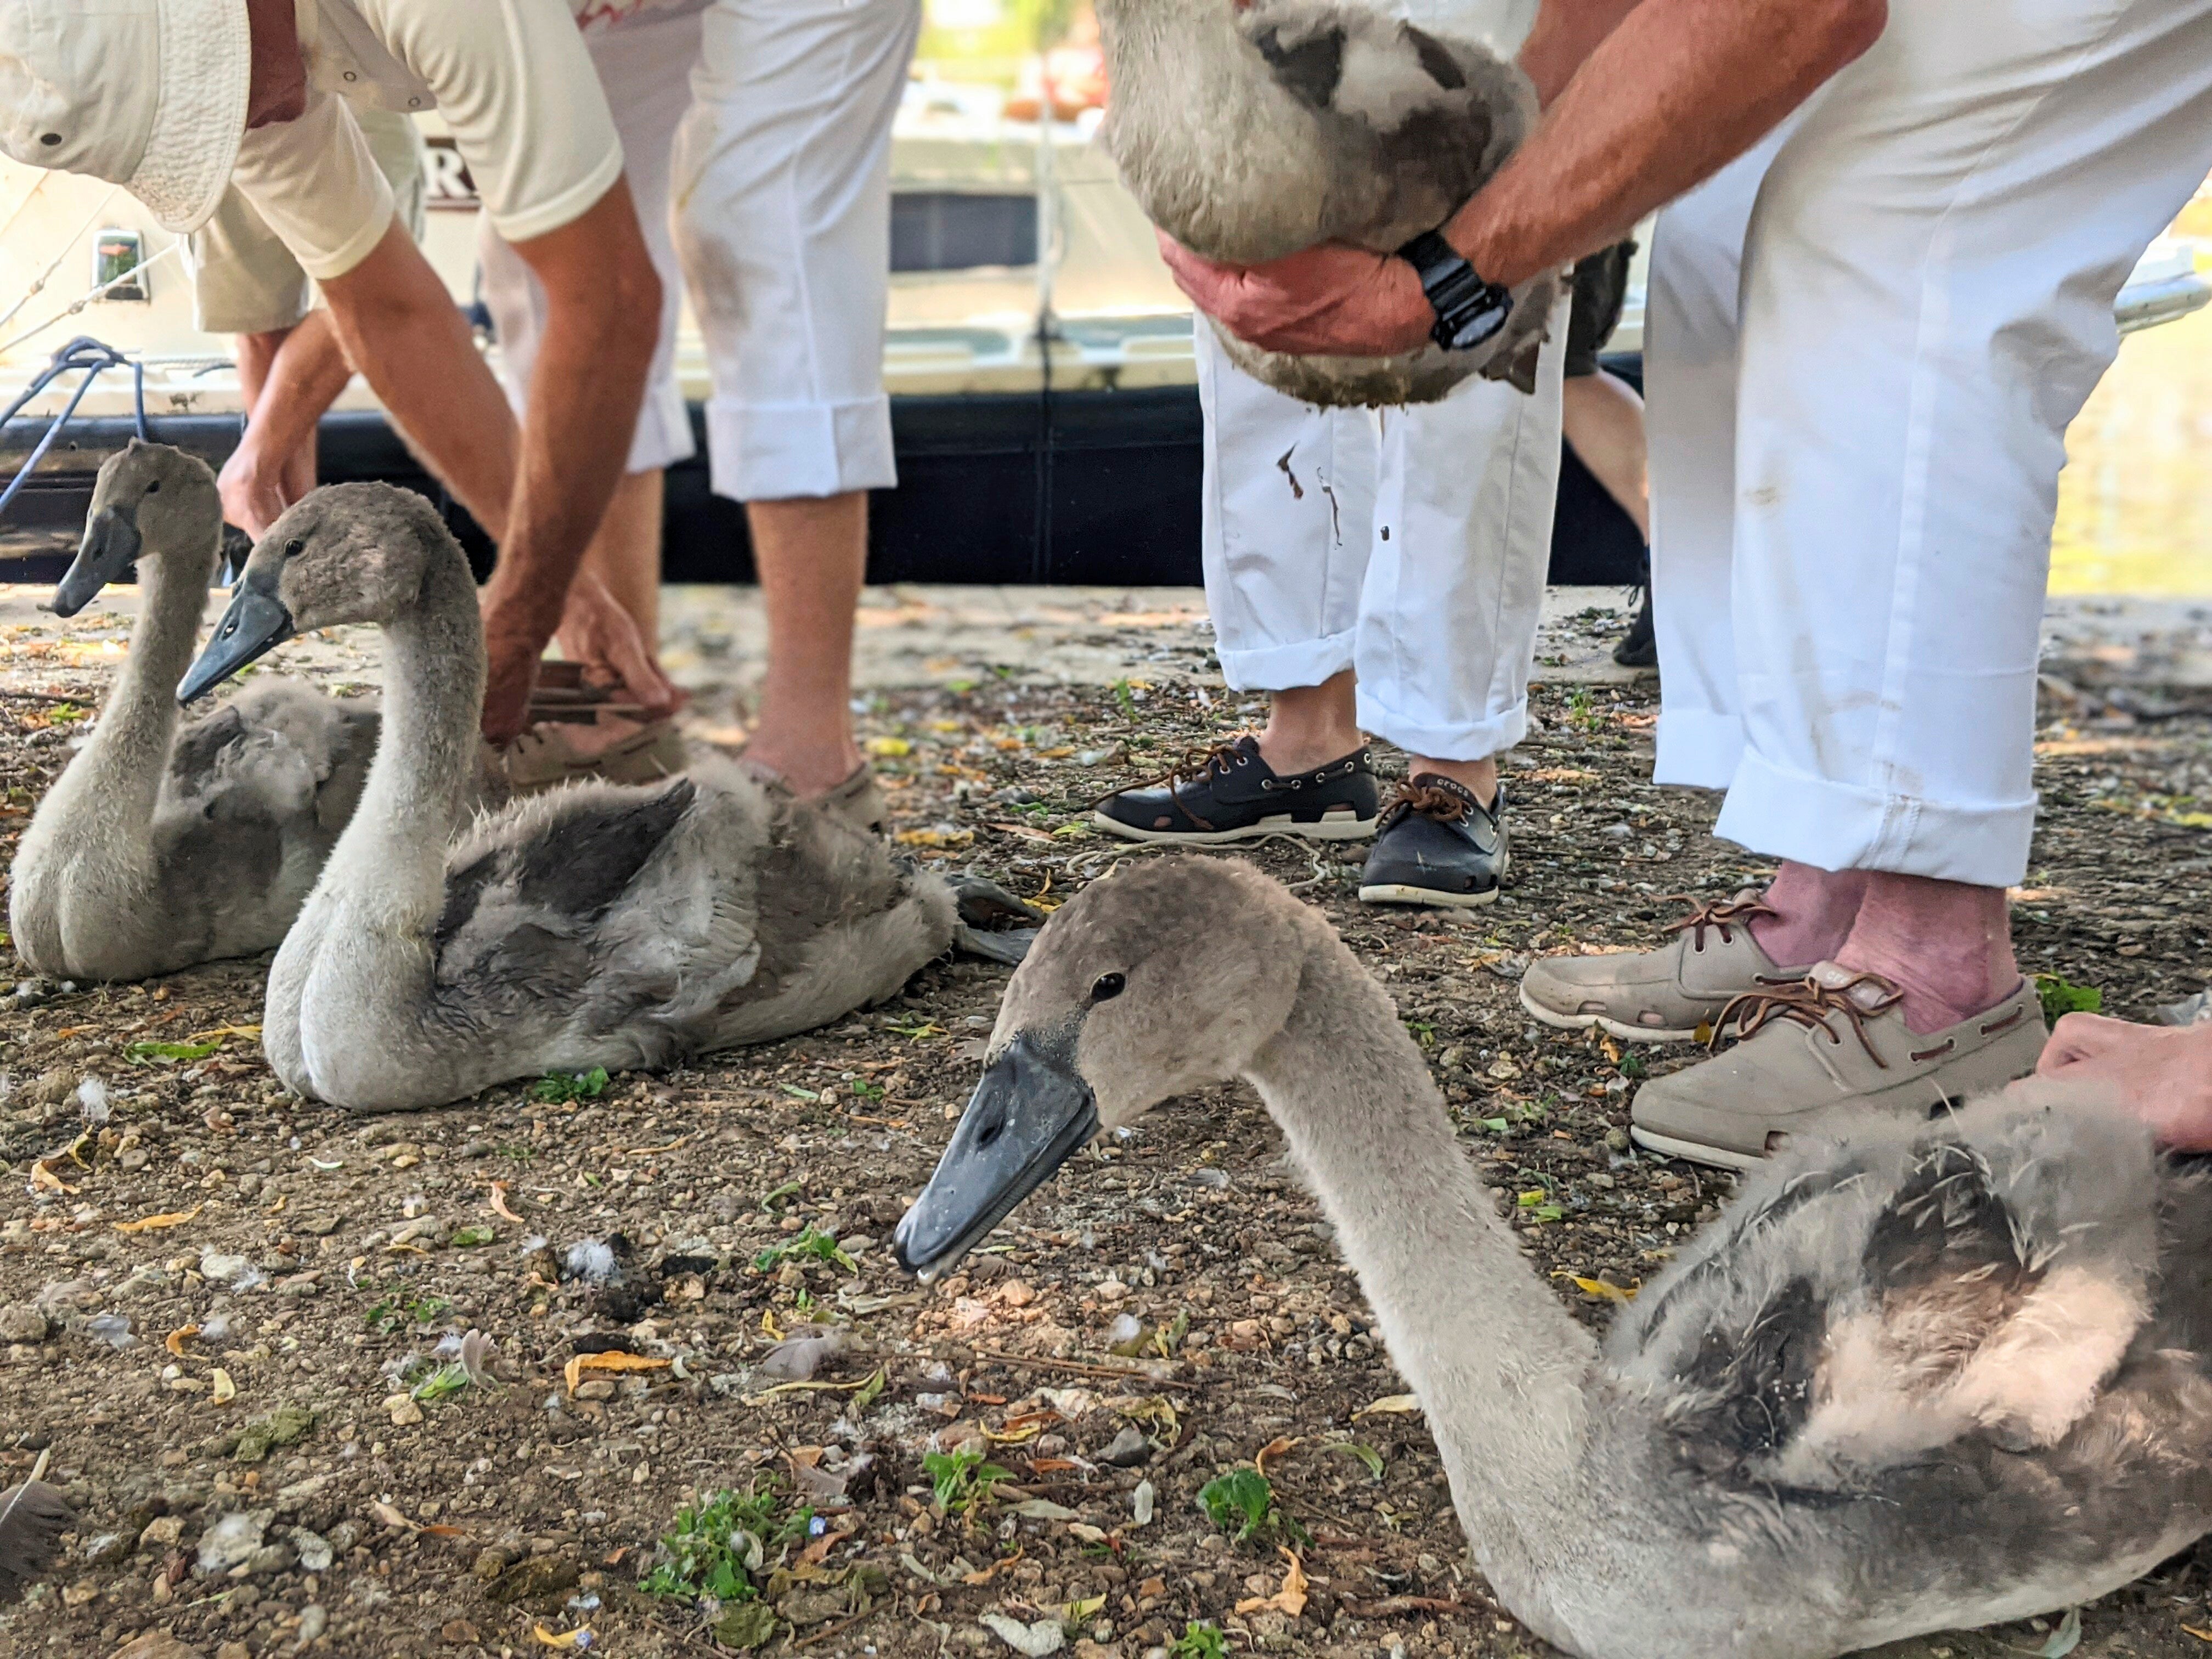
{"x":151,"y":94}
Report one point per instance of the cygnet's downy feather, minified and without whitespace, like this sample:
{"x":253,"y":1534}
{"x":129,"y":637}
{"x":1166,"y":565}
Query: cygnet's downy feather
{"x":1250,"y":132}
{"x":158,"y":848}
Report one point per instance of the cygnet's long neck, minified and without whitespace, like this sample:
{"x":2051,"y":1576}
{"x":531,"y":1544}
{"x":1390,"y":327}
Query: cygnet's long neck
{"x":127,"y":754}
{"x":393,"y":854}
{"x":1499,"y":1364}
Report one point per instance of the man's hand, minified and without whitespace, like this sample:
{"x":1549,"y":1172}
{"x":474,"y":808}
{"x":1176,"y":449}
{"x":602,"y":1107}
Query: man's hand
{"x":1332,"y":299}
{"x":2160,"y":1074}
{"x":252,"y":485}
{"x":513,"y":644}
{"x":597,"y":632}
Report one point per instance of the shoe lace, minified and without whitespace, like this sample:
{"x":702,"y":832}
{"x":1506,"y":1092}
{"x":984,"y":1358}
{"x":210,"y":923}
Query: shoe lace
{"x":1426,"y":799}
{"x":1724,"y":914}
{"x":1810,"y":1002}
{"x":1194,"y":766}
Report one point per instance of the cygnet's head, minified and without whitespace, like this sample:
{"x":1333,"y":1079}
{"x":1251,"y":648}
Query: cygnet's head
{"x":346,"y":553}
{"x":150,"y":500}
{"x":1159,"y":980}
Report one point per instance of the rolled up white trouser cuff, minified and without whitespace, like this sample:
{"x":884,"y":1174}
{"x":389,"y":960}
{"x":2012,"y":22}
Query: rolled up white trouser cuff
{"x":644,"y":69}
{"x":773,"y":452}
{"x":1838,"y":826}
{"x":1277,"y":668}
{"x":783,"y":193}
{"x":1927,"y":270}
{"x":1409,"y":544}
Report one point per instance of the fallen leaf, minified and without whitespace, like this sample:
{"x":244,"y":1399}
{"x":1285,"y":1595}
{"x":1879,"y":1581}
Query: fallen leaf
{"x":575,"y":1369}
{"x":46,"y":1180}
{"x":1367,"y":1455}
{"x":155,"y":1223}
{"x":888,"y":748}
{"x":1400,"y":1405}
{"x":2065,"y":1638}
{"x":1280,"y":1446}
{"x":225,"y":1389}
{"x":991,"y":1572}
{"x":392,"y":1518}
{"x":179,"y":1337}
{"x":1610,"y":1293}
{"x":579,"y":1637}
{"x":499,"y":1201}
{"x":1292,"y":1598}
{"x":2201,"y":1635}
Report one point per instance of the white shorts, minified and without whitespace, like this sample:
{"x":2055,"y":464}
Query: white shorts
{"x":645,"y":67}
{"x":783,"y":219}
{"x":1408,"y":545}
{"x":1862,"y":356}
{"x":246,"y":281}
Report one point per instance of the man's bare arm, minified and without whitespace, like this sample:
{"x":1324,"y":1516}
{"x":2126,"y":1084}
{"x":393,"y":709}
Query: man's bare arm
{"x":1674,"y":94}
{"x":395,"y":320}
{"x":302,"y":379}
{"x":602,"y":317}
{"x":1566,"y":33}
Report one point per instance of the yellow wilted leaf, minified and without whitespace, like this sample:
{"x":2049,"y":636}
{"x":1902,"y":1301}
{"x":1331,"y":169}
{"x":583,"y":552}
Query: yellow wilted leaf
{"x":1398,"y":1405}
{"x":155,"y":1223}
{"x":1610,"y":1293}
{"x":1291,"y":1599}
{"x":575,"y":1369}
{"x":225,"y":1389}
{"x":1280,"y":1446}
{"x":934,"y":837}
{"x":888,"y":748}
{"x":179,"y":1337}
{"x":566,"y":1639}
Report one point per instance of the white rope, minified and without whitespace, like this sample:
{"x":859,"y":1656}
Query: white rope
{"x":68,"y":248}
{"x":86,"y":298}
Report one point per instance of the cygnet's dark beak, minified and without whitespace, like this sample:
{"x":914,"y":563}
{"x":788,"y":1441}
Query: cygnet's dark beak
{"x":1029,"y":1115}
{"x":256,"y":623}
{"x":108,"y":550}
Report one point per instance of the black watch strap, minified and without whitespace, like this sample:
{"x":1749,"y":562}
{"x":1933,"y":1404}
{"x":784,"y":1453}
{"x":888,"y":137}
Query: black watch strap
{"x":1468,"y":309}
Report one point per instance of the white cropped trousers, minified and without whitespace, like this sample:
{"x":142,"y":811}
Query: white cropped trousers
{"x":1408,"y":545}
{"x":1864,"y":342}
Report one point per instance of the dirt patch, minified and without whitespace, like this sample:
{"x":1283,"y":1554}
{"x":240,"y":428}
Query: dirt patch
{"x":237,"y":1320}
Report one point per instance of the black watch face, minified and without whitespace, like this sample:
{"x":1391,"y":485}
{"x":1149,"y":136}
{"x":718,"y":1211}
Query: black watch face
{"x":1464,"y":334}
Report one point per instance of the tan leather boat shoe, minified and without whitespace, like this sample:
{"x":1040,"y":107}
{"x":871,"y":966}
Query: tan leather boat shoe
{"x":1663,"y":995}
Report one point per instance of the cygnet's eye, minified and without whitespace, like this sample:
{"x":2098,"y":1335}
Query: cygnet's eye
{"x":154,"y":487}
{"x":1108,"y":987}
{"x":293,"y":547}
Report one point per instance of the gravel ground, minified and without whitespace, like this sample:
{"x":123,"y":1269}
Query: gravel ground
{"x":232,"y":1320}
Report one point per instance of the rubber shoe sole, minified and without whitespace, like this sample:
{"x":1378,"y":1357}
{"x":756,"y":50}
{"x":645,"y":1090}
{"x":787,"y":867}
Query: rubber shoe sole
{"x":1402,"y":892}
{"x":1325,"y":828}
{"x":1560,"y":1022}
{"x":1690,"y":1151}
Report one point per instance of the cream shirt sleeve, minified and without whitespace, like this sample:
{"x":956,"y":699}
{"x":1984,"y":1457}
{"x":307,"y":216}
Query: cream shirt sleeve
{"x":315,"y":183}
{"x":517,"y":89}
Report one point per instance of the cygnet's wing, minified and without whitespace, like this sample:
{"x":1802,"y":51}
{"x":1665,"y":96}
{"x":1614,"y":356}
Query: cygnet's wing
{"x":550,"y":904}
{"x":1904,"y":1294}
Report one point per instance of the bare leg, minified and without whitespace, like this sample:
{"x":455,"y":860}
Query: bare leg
{"x":811,"y":553}
{"x":1310,"y":726}
{"x":1947,"y":944}
{"x":1815,"y":910}
{"x":1603,"y":420}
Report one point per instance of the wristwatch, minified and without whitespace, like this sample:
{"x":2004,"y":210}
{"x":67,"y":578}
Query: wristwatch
{"x":1468,"y":309}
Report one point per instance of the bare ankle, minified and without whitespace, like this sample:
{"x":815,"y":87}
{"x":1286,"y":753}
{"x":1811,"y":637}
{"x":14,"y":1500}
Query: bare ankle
{"x":1304,"y":751}
{"x":1947,"y":945}
{"x":808,"y":768}
{"x":1813,"y":912}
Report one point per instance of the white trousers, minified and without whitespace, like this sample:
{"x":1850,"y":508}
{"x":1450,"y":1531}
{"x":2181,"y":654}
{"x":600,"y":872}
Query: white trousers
{"x":1407,"y":545}
{"x":755,"y":139}
{"x":783,"y":218}
{"x":645,"y":70}
{"x":1864,"y":345}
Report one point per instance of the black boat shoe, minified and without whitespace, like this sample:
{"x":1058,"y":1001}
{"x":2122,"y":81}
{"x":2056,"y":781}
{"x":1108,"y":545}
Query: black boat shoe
{"x":1232,"y":794}
{"x":1439,"y":845}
